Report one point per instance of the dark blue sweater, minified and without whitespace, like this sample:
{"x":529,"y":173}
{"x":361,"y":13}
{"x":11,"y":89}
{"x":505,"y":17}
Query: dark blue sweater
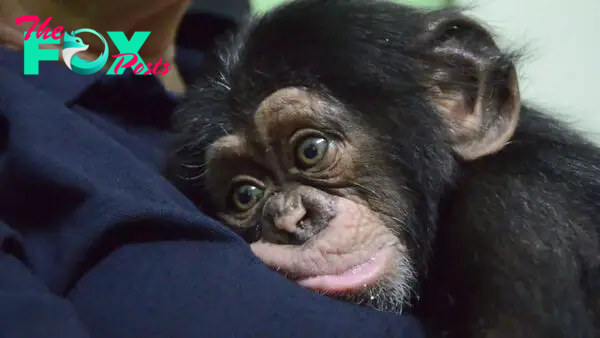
{"x":95,"y":243}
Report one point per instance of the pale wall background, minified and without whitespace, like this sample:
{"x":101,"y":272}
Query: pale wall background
{"x":562,"y":68}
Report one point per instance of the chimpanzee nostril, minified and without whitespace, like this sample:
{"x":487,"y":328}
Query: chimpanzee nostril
{"x":305,"y":222}
{"x":291,"y":218}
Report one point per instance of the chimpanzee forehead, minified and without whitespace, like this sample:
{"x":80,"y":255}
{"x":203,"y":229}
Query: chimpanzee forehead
{"x":287,"y":110}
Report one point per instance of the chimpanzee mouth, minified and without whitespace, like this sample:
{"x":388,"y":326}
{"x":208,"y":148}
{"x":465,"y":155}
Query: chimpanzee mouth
{"x":354,"y":279}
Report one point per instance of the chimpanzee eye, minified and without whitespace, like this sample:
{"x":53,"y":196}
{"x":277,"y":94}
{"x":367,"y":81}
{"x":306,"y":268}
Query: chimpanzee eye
{"x":245,"y":196}
{"x":311,"y":150}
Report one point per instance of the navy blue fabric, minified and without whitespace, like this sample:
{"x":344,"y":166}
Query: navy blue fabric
{"x":95,"y":243}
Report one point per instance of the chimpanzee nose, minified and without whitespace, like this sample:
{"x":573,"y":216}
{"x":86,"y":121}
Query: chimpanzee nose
{"x":293,"y":216}
{"x":286,"y":212}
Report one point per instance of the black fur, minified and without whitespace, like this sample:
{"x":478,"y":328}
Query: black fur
{"x":507,"y":243}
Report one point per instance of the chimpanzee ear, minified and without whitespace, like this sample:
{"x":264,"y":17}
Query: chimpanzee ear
{"x":471,"y":82}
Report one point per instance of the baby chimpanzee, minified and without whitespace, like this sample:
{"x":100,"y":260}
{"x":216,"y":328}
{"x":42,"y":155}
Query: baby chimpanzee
{"x":382,"y":155}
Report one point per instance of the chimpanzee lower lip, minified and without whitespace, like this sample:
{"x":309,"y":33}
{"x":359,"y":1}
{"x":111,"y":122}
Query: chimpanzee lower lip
{"x":359,"y":276}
